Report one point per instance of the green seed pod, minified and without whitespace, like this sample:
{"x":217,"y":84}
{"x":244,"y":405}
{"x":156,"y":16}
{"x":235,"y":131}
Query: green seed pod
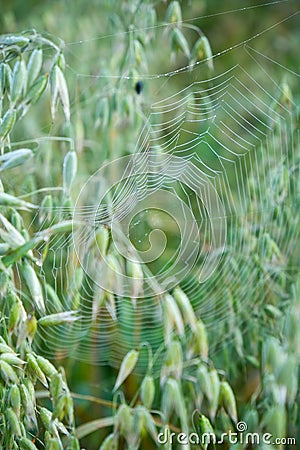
{"x":273,"y":311}
{"x":6,"y":76}
{"x":204,"y":382}
{"x":46,"y":366}
{"x":58,"y":318}
{"x":109,"y":443}
{"x":288,"y":376}
{"x":15,"y":158}
{"x":144,"y":420}
{"x":26,"y":444}
{"x":172,"y":399}
{"x":37,"y":89}
{"x":206,"y":431}
{"x":286,"y":98}
{"x":110,"y":305}
{"x":186,"y":308}
{"x":135,"y":272}
{"x":17,"y":220}
{"x":127,"y":108}
{"x":15,"y":316}
{"x":173,"y":363}
{"x":202,"y":51}
{"x":19,"y":80}
{"x":215,"y":390}
{"x":148,"y":391}
{"x":53,"y":302}
{"x":67,"y":226}
{"x":27,"y":330}
{"x":102,"y":240}
{"x":199,"y":341}
{"x":46,"y":418}
{"x":30,"y":388}
{"x":251,"y":419}
{"x":4,"y":348}
{"x":46,"y":211}
{"x":59,"y":408}
{"x":73,"y":443}
{"x":124,"y":420}
{"x":139,"y":53}
{"x":227,"y":400}
{"x":179,"y":42}
{"x":53,"y":444}
{"x":11,"y":201}
{"x":174,"y":14}
{"x":34,"y":66}
{"x":13,"y":422}
{"x":15,"y":399}
{"x":15,"y":237}
{"x":151,"y":21}
{"x":272,"y":355}
{"x":69,"y":410}
{"x":138,"y":424}
{"x":56,"y":385}
{"x":61,"y":61}
{"x":7,"y":40}
{"x":54,"y":89}
{"x":69,"y":171}
{"x":102,"y":113}
{"x":35,"y":370}
{"x":7,"y":123}
{"x":275,"y":421}
{"x":4,"y":249}
{"x":12,"y":359}
{"x":2,"y":80}
{"x":172,"y":318}
{"x":7,"y":373}
{"x":26,"y":400}
{"x":34,"y":286}
{"x":127,"y":366}
{"x":63,"y":93}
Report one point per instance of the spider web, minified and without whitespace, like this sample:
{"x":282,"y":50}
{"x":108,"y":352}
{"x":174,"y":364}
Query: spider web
{"x":208,"y":165}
